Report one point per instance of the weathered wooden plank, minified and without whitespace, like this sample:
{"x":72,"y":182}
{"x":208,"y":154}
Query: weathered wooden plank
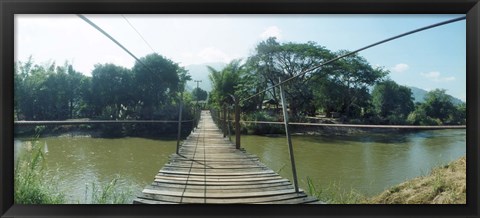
{"x":284,"y":185}
{"x":213,"y":172}
{"x":224,"y":183}
{"x":219,"y":195}
{"x":209,"y":179}
{"x":202,"y":200}
{"x":217,"y":189}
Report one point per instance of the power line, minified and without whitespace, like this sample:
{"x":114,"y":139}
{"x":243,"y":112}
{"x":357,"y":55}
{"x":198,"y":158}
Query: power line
{"x":131,"y":25}
{"x":358,"y":50}
{"x":111,"y":38}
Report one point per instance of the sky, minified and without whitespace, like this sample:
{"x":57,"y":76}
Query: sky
{"x":435,"y":58}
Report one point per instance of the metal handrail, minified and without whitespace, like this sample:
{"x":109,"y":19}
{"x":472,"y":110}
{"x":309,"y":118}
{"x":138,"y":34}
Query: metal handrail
{"x":80,"y":122}
{"x":357,"y":125}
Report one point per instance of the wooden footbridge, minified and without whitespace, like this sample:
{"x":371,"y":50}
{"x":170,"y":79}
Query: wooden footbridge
{"x":209,"y":169}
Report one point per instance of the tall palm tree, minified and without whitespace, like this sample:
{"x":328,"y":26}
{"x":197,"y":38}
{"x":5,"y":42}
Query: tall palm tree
{"x":225,"y":81}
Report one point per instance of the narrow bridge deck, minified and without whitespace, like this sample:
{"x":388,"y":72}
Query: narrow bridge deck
{"x":209,"y":169}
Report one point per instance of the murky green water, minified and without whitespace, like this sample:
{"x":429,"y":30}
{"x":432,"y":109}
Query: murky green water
{"x":77,"y":162}
{"x":368,"y":163}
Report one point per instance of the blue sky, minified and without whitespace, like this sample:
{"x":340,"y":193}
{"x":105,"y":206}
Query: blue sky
{"x":434,"y":58}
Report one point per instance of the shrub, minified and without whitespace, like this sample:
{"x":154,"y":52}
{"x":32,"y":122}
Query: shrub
{"x":263,"y":128}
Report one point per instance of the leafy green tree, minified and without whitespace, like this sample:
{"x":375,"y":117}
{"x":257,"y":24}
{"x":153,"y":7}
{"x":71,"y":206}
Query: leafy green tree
{"x":199,"y":94}
{"x":439,"y":105}
{"x":392,"y":102}
{"x":30,"y":95}
{"x":273,"y":60}
{"x":344,"y":87}
{"x":438,"y":109}
{"x":157,"y":83}
{"x":112,"y":91}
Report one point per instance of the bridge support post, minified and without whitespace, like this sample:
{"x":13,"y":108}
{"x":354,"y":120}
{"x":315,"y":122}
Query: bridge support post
{"x":289,"y":138}
{"x":228,"y":125}
{"x":224,"y":129}
{"x":179,"y":121}
{"x":237,"y":123}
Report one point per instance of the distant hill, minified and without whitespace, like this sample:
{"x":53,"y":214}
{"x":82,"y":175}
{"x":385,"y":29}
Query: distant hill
{"x":200,"y":72}
{"x":419,"y":96}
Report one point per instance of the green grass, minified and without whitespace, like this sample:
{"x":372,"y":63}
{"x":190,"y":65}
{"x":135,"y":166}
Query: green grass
{"x":334,"y":193}
{"x":29,"y":185}
{"x":108,"y":193}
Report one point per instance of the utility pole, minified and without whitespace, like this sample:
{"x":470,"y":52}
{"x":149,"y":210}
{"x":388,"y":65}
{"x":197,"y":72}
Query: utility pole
{"x":196,"y":106}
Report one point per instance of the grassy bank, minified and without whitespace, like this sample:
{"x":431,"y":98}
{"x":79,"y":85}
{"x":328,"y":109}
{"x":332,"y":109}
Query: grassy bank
{"x":444,"y":185}
{"x":32,"y":186}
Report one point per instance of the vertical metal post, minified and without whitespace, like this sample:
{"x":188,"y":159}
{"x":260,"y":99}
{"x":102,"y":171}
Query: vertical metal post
{"x":196,"y":107}
{"x":228,"y":125}
{"x":289,"y":139}
{"x":179,"y":121}
{"x":224,"y":121}
{"x":237,"y":123}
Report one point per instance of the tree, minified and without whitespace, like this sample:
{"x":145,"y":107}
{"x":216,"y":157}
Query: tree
{"x":157,"y":82}
{"x":273,"y":60}
{"x":29,"y":81}
{"x":344,"y":87}
{"x":199,"y":94}
{"x":225,"y":83}
{"x":392,"y":102}
{"x":111,"y":90}
{"x":438,"y":109}
{"x":439,"y":105}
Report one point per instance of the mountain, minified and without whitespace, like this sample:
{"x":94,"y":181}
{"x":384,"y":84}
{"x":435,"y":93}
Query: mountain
{"x":419,"y":96}
{"x":200,"y":72}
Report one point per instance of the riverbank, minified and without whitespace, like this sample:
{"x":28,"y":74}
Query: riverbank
{"x":445,"y":185}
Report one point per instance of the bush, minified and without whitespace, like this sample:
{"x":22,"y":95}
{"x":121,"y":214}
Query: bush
{"x":419,"y":117}
{"x":263,"y":128}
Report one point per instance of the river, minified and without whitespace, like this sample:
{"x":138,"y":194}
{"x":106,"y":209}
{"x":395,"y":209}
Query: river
{"x":368,"y":163}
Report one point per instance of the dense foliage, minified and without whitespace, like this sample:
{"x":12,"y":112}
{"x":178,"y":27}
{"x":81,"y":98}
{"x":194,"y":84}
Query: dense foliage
{"x":150,"y":90}
{"x":349,"y":88}
{"x":199,"y":94}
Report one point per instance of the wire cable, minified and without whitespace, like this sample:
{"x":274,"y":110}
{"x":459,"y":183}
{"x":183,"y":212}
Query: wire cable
{"x":113,"y":40}
{"x":144,"y":40}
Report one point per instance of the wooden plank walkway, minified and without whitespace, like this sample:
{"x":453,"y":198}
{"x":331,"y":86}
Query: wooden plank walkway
{"x":210,"y":170}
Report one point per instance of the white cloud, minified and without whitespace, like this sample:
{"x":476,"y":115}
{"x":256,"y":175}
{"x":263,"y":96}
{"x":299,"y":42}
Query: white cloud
{"x":271,"y":31}
{"x":399,"y":68}
{"x":211,"y":54}
{"x":436,"y":77}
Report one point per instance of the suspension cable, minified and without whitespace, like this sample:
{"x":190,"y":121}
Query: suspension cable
{"x":113,"y":40}
{"x":144,"y":40}
{"x":356,"y":51}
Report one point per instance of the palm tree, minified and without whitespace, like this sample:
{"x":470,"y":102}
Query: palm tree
{"x":225,"y":82}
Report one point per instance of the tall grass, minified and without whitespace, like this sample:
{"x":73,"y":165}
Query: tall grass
{"x":108,"y":193}
{"x":334,"y":193}
{"x":30,"y":186}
